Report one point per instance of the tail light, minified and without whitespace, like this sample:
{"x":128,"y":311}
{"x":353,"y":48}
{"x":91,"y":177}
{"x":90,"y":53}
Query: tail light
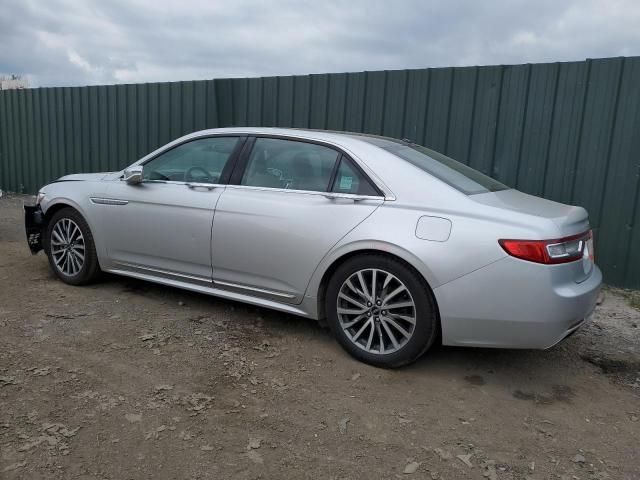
{"x":550,"y":252}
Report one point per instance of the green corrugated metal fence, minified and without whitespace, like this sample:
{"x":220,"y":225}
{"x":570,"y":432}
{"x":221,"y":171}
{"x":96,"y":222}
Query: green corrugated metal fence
{"x":566,"y":131}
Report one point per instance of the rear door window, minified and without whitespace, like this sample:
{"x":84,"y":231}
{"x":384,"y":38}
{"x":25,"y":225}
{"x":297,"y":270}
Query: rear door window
{"x":290,"y":165}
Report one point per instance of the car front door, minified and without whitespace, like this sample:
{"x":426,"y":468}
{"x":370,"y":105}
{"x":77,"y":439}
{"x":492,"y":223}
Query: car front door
{"x":162,"y":226}
{"x":287,"y":204}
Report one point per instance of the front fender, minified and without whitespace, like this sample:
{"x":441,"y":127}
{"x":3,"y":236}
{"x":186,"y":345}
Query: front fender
{"x":58,"y":201}
{"x":61,"y":202}
{"x":85,"y":208}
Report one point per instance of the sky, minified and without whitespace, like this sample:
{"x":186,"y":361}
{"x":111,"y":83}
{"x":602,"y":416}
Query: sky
{"x":88,"y":42}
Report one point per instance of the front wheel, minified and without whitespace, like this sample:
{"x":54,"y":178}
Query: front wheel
{"x":70,"y":248}
{"x":381,"y":311}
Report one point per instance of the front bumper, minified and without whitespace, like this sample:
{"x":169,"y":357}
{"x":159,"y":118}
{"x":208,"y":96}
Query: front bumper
{"x":33,"y":225}
{"x":516,"y":304}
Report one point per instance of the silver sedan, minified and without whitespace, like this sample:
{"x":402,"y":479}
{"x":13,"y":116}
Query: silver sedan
{"x":393,"y":245}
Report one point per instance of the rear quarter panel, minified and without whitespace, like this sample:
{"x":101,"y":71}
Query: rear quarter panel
{"x":471,"y":245}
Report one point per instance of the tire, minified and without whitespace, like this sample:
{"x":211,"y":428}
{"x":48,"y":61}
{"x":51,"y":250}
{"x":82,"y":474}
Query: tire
{"x":369,"y":338}
{"x":73,"y":266}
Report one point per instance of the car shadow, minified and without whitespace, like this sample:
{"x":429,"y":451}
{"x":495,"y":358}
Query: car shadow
{"x":474,"y":366}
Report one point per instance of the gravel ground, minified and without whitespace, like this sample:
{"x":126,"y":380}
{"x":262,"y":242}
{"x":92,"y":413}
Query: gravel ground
{"x":126,"y":379}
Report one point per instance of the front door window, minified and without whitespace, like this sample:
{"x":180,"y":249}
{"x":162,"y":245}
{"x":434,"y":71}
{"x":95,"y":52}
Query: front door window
{"x":201,"y":160}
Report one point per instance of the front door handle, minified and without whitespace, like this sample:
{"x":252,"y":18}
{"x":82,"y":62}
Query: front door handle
{"x":193,"y":185}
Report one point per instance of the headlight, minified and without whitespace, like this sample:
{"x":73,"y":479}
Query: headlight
{"x":40,"y":197}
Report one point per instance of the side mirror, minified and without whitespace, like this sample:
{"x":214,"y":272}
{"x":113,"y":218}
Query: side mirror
{"x":133,"y":175}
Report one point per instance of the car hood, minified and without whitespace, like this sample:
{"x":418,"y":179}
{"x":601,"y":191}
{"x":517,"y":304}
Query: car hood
{"x":83,"y":177}
{"x":569,"y":219}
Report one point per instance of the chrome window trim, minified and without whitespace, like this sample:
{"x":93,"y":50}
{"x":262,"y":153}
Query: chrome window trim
{"x":181,"y":141}
{"x":177,"y":182}
{"x":352,"y":196}
{"x":388,"y":194}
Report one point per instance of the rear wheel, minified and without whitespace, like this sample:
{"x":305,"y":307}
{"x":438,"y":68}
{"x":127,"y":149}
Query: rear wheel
{"x":381,"y":311}
{"x":70,"y":248}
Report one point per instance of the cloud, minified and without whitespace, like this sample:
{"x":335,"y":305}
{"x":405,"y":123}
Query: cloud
{"x":66,"y":42}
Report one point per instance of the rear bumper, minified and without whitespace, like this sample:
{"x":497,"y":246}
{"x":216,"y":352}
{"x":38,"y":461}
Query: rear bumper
{"x":33,"y":225}
{"x":516,"y":304}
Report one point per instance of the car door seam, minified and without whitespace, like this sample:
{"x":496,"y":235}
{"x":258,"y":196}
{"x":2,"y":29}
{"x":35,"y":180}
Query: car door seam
{"x":213,"y":217}
{"x":333,"y":246}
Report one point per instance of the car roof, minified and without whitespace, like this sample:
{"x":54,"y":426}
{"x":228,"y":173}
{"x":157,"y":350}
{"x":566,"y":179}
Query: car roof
{"x":338,"y":138}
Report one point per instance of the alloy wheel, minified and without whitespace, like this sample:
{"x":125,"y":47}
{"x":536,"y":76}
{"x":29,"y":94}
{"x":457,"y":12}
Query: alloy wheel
{"x":67,"y":247}
{"x":376,"y":311}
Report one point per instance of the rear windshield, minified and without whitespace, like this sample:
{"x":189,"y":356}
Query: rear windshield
{"x":456,"y":174}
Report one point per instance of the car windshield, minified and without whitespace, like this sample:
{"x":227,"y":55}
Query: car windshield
{"x":450,"y":171}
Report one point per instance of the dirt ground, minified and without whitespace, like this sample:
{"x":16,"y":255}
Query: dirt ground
{"x":127,"y":380}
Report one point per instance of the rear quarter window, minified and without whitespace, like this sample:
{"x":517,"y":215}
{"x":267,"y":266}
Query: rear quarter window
{"x":350,"y":180}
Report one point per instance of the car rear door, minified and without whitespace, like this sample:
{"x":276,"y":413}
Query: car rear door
{"x":278,"y":217}
{"x":162,"y":226}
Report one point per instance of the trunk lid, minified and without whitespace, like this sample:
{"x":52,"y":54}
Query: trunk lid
{"x":569,"y":219}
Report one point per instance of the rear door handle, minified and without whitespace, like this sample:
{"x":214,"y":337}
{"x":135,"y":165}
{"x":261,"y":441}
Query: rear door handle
{"x":193,"y":185}
{"x":336,"y":196}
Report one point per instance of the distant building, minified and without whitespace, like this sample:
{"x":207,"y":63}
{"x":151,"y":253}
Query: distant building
{"x":13,"y":82}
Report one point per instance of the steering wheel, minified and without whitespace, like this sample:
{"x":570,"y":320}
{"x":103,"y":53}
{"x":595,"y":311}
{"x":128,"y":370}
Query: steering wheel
{"x":188,"y":177}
